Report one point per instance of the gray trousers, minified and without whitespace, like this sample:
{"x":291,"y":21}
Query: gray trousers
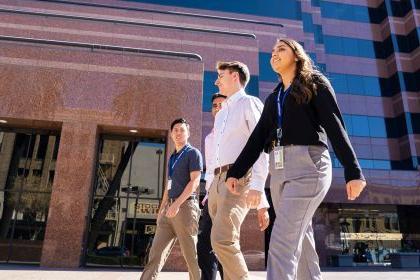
{"x":297,"y":190}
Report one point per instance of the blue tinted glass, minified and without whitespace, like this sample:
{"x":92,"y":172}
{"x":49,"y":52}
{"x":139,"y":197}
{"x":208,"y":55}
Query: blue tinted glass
{"x":349,"y":46}
{"x":319,"y":37}
{"x":372,"y":86}
{"x":339,"y":82}
{"x":360,"y":126}
{"x":366,"y":163}
{"x":209,"y":89}
{"x":365,"y":48}
{"x":271,"y":8}
{"x":307,"y":22}
{"x":266,"y":72}
{"x":344,"y":11}
{"x":348,"y":122}
{"x":377,"y":127}
{"x":355,"y":84}
{"x":382,"y":164}
{"x":333,"y":44}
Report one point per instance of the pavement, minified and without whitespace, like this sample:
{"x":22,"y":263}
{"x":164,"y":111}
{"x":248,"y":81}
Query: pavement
{"x":8,"y":272}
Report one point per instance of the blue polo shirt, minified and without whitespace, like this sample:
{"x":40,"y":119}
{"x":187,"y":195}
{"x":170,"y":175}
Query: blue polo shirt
{"x":190,"y":160}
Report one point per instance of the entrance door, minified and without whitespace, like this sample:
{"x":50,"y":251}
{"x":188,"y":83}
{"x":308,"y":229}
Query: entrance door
{"x":127,"y":193}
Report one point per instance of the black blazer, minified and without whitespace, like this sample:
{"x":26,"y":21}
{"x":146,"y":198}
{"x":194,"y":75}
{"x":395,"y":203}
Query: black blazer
{"x":303,"y":124}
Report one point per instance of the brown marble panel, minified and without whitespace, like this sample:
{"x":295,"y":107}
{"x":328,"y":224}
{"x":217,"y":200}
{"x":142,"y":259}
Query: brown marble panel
{"x":70,"y":195}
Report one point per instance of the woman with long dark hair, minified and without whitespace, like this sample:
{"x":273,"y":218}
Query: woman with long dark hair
{"x":297,"y":119}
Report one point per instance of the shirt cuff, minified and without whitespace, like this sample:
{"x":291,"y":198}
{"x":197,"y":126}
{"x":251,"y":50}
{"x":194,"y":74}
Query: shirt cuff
{"x":257,"y":184}
{"x":264,"y":202}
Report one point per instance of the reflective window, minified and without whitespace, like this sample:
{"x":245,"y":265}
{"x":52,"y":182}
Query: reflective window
{"x":367,"y":233}
{"x":266,"y":73}
{"x":349,"y":46}
{"x":366,"y":163}
{"x":269,"y":8}
{"x":355,"y":84}
{"x":360,"y":126}
{"x":344,"y":11}
{"x":127,"y":193}
{"x":27,"y":165}
{"x":377,"y":127}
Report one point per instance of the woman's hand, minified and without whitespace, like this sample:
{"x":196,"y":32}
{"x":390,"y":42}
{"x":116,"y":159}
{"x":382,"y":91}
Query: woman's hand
{"x":354,"y":188}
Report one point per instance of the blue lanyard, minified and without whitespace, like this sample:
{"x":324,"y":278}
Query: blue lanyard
{"x":174,"y":159}
{"x":281,"y":99}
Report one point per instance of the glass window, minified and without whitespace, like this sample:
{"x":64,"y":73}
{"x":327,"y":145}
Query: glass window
{"x":339,"y":82}
{"x":354,"y":84}
{"x":266,"y":72}
{"x":348,"y":122}
{"x":377,"y":127}
{"x":209,"y":89}
{"x":371,"y":86}
{"x":127,"y":193}
{"x":367,"y":233}
{"x":382,"y":164}
{"x":344,"y":11}
{"x":360,"y":126}
{"x":27,"y":161}
{"x":366,"y":163}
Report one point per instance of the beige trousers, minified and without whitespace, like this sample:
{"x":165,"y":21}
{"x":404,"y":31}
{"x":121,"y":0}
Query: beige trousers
{"x":184,"y":227}
{"x":228,"y":211}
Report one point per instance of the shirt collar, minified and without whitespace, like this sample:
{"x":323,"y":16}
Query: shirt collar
{"x":235,"y":97}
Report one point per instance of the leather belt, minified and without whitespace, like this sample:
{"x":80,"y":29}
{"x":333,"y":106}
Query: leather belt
{"x":222,"y":169}
{"x":172,"y":200}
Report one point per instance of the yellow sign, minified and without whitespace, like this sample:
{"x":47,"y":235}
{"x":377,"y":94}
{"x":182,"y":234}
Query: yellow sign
{"x":370,"y":236}
{"x":146,"y":209}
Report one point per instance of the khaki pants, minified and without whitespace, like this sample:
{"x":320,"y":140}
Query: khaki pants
{"x":184,"y":227}
{"x":228,"y":211}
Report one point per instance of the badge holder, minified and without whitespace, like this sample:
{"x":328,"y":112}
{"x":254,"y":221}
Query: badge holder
{"x":278,"y":152}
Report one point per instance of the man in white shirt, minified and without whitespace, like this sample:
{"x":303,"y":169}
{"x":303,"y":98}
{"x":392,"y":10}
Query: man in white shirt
{"x":233,"y":125}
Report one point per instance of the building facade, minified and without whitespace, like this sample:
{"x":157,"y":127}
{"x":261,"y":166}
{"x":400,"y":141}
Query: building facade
{"x":89,"y":88}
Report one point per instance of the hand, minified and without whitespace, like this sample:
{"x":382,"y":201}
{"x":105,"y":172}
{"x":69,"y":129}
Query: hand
{"x":161,"y":211}
{"x":354,"y":188}
{"x":253,"y":199}
{"x":172,"y":210}
{"x":232,"y":185}
{"x":263,"y":218}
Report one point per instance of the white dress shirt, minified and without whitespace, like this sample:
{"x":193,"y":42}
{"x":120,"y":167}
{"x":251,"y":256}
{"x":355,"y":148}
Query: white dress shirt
{"x":209,"y":155}
{"x":233,"y":125}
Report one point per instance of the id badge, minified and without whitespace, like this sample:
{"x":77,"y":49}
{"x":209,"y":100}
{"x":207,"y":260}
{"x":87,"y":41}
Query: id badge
{"x":169,"y":184}
{"x":278,"y":157}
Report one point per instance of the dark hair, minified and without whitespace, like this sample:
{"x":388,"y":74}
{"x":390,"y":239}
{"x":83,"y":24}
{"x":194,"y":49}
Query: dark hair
{"x":304,"y":85}
{"x":180,"y":120}
{"x":217,"y":95}
{"x":235,"y":66}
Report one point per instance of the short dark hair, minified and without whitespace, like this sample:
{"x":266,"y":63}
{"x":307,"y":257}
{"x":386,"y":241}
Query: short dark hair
{"x":218,"y":95}
{"x":180,"y":120}
{"x":238,"y":67}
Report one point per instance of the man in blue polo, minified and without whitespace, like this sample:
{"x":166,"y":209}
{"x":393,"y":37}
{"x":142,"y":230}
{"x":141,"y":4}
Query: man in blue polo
{"x":179,"y":211}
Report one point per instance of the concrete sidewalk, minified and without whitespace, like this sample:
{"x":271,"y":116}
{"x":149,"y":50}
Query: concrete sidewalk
{"x":34,"y":273}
